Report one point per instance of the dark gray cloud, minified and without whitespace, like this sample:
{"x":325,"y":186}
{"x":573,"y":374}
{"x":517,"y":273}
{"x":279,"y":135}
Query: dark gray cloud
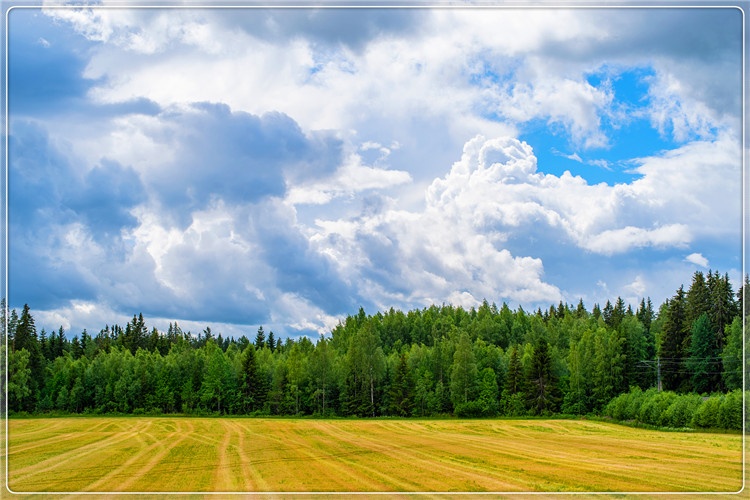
{"x":236,"y":157}
{"x":45,"y":188}
{"x":329,"y":27}
{"x":702,"y":46}
{"x":49,"y":198}
{"x":297,"y":267}
{"x":44,"y":74}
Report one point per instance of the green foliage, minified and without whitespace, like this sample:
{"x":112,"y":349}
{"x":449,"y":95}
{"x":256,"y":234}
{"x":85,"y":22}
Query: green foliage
{"x":703,"y":356}
{"x":434,"y":361}
{"x":731,"y":356}
{"x":463,"y":372}
{"x":19,"y":377}
{"x":668,"y":409}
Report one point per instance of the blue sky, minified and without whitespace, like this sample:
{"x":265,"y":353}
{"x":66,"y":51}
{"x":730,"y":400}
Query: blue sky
{"x":237,"y":168}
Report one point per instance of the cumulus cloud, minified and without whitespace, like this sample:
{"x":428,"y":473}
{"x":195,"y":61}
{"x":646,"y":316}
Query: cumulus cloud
{"x":697,"y":259}
{"x":286,"y":166}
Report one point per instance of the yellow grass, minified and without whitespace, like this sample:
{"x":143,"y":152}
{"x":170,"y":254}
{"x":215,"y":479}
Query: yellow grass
{"x":286,"y":455}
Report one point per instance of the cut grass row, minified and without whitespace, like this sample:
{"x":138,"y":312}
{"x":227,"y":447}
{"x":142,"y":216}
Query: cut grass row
{"x":157,"y":454}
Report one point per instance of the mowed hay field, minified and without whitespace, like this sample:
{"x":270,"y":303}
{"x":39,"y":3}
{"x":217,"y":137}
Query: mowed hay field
{"x":287,"y":455}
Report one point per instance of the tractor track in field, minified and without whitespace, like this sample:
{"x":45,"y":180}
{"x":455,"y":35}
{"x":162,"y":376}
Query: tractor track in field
{"x":61,"y":460}
{"x":276,"y":455}
{"x":132,"y":470}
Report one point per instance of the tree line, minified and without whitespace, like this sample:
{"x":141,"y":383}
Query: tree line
{"x":440,"y":360}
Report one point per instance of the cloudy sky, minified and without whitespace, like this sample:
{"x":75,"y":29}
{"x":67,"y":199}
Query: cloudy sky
{"x":283,"y":167}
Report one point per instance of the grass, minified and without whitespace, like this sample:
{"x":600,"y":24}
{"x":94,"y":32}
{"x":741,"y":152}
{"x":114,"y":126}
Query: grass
{"x":156,"y":454}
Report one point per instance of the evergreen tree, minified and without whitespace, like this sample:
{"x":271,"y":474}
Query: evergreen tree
{"x":704,"y":361}
{"x":645,"y":313}
{"x":271,"y":341}
{"x":252,"y":384}
{"x":722,"y":308}
{"x":25,"y":334}
{"x":543,"y":397}
{"x":675,"y":331}
{"x":607,"y":314}
{"x":400,"y":392}
{"x":698,"y":302}
{"x":260,"y":338}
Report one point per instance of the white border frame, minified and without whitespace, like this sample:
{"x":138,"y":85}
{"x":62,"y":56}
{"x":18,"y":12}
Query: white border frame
{"x":398,"y":5}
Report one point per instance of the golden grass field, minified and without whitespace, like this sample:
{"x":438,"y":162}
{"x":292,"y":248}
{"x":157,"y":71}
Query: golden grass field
{"x":286,"y":455}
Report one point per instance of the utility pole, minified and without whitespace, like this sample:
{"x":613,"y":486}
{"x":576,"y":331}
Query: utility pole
{"x":658,"y":374}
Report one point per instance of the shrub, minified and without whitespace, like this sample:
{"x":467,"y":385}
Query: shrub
{"x":513,"y":405}
{"x":654,"y":406}
{"x":730,"y":411}
{"x":707,"y":414}
{"x":680,"y":412}
{"x":469,"y":409}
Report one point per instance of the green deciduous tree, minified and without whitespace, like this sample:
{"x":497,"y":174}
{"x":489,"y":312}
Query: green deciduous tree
{"x":731,"y":357}
{"x":463,"y":372}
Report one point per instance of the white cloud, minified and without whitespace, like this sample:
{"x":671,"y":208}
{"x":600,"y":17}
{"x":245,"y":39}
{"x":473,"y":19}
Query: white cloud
{"x":351,"y":178}
{"x":621,"y":240}
{"x":381,"y":110}
{"x":697,"y":259}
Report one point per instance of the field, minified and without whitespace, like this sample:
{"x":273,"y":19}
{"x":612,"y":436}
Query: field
{"x":287,"y":455}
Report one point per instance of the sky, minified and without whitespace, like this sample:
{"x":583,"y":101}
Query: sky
{"x":241,"y":167}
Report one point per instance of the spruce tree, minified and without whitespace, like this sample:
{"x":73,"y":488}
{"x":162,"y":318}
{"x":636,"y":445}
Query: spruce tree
{"x":253,"y":385}
{"x":260,"y":338}
{"x":542,"y":384}
{"x":698,"y":302}
{"x":675,"y":331}
{"x":704,"y":360}
{"x":400,"y":393}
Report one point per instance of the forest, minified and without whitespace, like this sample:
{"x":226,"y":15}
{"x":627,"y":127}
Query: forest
{"x":679,"y":365}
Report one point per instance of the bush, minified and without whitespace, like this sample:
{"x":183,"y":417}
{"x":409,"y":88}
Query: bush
{"x":655,"y":406}
{"x":470,"y":409}
{"x":513,"y":405}
{"x":680,"y":412}
{"x":626,"y":406}
{"x":730,"y":411}
{"x":667,"y":409}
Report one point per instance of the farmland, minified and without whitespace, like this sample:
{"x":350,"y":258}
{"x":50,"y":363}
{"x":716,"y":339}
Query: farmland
{"x":205,"y":454}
